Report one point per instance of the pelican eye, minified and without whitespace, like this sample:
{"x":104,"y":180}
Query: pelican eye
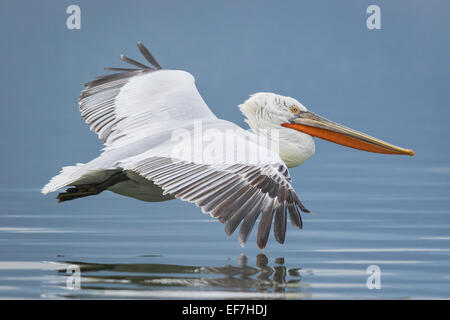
{"x":294,"y":109}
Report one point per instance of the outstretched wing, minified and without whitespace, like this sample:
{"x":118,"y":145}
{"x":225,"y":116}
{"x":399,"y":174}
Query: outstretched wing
{"x":236,"y":192}
{"x":133,"y":103}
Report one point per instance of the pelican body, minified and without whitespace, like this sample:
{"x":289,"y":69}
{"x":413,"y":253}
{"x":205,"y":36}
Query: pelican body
{"x":163,"y":142}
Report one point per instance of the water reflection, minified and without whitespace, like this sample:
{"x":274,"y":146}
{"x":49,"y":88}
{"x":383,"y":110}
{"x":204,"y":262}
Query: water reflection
{"x":241,"y":277}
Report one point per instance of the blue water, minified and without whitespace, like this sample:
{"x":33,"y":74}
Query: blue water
{"x":375,"y":211}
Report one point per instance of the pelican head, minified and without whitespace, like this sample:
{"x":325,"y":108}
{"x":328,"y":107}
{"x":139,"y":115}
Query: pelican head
{"x":297,"y":127}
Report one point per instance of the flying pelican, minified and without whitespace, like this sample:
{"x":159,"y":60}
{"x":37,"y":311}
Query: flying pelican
{"x":136,"y":111}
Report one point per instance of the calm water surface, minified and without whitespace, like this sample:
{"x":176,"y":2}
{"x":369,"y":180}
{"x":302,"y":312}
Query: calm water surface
{"x":383,"y":211}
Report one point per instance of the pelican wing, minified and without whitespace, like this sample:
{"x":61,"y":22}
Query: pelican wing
{"x":128,"y":105}
{"x":235,"y":192}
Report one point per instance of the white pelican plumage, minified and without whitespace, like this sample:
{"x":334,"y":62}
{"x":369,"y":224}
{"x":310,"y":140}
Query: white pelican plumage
{"x":135,"y":112}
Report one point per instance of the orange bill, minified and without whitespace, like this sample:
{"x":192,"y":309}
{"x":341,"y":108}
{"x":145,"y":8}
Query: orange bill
{"x":317,"y":126}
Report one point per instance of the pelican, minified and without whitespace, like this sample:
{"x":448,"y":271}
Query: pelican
{"x":162,"y":142}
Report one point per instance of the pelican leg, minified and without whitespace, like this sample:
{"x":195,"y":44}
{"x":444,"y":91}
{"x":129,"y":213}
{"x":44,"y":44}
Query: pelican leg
{"x":86,"y":190}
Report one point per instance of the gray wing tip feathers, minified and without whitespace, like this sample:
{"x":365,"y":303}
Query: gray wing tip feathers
{"x":273,"y":210}
{"x":147,"y":55}
{"x":125,"y":72}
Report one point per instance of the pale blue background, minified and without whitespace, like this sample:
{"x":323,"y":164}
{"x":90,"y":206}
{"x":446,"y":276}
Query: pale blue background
{"x":391,"y":83}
